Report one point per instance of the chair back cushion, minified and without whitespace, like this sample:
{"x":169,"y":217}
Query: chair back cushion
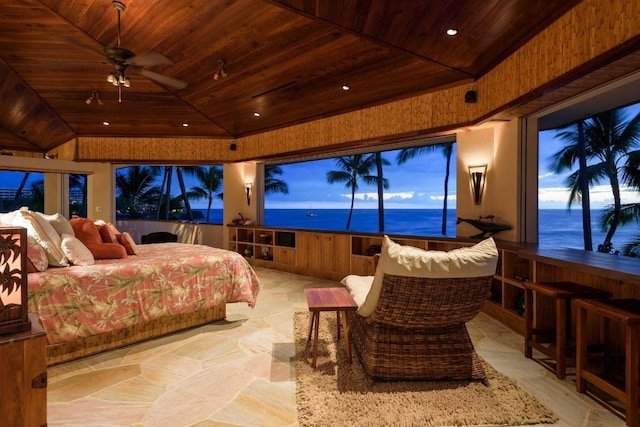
{"x":479,"y":260}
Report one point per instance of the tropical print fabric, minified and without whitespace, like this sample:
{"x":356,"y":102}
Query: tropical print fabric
{"x":162,"y":280}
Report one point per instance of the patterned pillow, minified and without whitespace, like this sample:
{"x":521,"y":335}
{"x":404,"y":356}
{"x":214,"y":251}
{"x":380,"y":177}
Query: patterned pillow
{"x":44,"y":234}
{"x":36,"y":256}
{"x":76,"y":251}
{"x":127,"y":241}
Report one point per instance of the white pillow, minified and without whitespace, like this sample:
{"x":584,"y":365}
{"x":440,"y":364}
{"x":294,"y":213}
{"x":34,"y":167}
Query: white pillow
{"x":59,"y":223}
{"x":7,"y":218}
{"x":476,"y":261}
{"x":44,"y":234}
{"x":76,"y":251}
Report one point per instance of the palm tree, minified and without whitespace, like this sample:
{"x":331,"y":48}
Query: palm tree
{"x":183,"y":189}
{"x":273,"y":184}
{"x":18,"y":195}
{"x":37,"y":196}
{"x":610,"y":142}
{"x":210,"y":180}
{"x":353,"y":168}
{"x":135,"y":189}
{"x":79,"y":181}
{"x":379,"y":162}
{"x":447,"y":149}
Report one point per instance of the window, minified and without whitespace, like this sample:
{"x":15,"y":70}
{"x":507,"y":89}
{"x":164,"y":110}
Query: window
{"x":77,"y":195}
{"x":609,"y":220}
{"x":320,"y":194}
{"x":21,"y":189}
{"x":179,"y":193}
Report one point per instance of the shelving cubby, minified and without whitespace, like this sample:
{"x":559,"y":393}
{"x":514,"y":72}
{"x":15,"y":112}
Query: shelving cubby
{"x":263,"y":244}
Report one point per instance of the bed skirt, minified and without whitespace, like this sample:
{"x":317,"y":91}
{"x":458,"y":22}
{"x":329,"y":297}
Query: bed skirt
{"x":85,"y":346}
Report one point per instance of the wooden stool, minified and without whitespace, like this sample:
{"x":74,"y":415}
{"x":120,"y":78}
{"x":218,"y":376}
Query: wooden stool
{"x":562,"y":293}
{"x":627,"y":313}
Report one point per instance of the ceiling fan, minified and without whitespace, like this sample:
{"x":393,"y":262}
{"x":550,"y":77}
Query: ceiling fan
{"x":124,"y":59}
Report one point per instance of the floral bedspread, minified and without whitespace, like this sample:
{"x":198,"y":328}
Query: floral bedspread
{"x":162,"y":280}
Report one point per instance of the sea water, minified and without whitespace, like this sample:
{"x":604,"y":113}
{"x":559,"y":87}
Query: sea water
{"x":557,"y":227}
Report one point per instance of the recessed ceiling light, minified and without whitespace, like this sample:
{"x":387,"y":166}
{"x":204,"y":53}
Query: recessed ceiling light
{"x":256,"y":114}
{"x":452,"y":32}
{"x":106,"y":123}
{"x":185,"y":125}
{"x":346,"y":87}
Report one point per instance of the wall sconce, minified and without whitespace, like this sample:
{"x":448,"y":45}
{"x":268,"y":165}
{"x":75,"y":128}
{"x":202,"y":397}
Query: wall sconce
{"x":14,"y":304}
{"x":478,"y":175}
{"x":248,"y":186}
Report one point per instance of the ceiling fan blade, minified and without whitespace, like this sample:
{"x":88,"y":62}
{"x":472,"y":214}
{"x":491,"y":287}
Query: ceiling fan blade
{"x":149,"y":59}
{"x":161,"y":78}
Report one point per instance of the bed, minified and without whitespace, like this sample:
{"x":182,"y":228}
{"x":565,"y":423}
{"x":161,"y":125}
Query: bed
{"x":165,"y":288}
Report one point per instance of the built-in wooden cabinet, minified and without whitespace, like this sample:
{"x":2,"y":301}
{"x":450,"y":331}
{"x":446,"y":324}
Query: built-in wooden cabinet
{"x":23,"y":369}
{"x":333,"y":255}
{"x":264,"y":244}
{"x":324,"y":253}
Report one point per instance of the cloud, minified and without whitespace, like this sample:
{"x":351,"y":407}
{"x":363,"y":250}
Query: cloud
{"x":386,"y":196}
{"x":546,"y":175}
{"x":599,"y":195}
{"x":451,"y":197}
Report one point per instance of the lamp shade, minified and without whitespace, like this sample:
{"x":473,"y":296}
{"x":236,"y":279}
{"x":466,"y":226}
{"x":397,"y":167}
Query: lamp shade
{"x":477,"y":175}
{"x":13,"y":280}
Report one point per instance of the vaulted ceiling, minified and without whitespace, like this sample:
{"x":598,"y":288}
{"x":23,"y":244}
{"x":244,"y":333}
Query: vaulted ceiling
{"x":285,"y":59}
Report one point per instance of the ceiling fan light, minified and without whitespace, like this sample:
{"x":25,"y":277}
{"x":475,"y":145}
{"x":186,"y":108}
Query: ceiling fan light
{"x":127,"y":82}
{"x":111,"y":78}
{"x":121,"y":79}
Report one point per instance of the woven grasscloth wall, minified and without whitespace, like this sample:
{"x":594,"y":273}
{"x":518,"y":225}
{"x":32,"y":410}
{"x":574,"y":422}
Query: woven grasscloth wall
{"x":590,"y":35}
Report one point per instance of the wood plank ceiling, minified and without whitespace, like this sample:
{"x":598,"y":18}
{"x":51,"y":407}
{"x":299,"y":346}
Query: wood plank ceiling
{"x":286,"y":59}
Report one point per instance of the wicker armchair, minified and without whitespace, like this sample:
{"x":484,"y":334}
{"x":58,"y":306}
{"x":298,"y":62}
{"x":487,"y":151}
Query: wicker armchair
{"x":418,"y":329}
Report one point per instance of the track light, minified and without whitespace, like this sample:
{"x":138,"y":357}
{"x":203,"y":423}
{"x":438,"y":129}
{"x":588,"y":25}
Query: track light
{"x":222,"y":72}
{"x":95,"y":96}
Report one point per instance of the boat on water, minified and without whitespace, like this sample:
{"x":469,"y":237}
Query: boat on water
{"x":310,"y":213}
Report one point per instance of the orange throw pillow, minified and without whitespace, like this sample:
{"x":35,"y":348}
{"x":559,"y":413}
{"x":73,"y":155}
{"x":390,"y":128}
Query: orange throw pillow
{"x":127,"y":241}
{"x":87,"y":232}
{"x":109,"y":233}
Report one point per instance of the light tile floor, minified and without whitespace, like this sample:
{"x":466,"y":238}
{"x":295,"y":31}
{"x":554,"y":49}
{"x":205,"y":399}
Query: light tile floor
{"x":240,"y":372}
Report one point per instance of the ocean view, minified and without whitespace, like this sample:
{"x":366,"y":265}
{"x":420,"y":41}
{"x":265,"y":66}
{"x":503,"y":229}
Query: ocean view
{"x":557,"y":227}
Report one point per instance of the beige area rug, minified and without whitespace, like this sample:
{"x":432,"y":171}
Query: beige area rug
{"x":339,"y":394}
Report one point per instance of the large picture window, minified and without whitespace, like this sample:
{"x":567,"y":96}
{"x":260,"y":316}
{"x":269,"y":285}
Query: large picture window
{"x":178,"y":193}
{"x":408,"y":191}
{"x":589,"y":183}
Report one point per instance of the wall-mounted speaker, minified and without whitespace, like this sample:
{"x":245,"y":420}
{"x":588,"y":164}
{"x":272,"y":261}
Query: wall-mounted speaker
{"x":232,"y":147}
{"x":471,"y":97}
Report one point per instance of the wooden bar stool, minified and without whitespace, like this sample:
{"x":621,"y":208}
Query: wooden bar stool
{"x":562,"y":294}
{"x":627,"y":313}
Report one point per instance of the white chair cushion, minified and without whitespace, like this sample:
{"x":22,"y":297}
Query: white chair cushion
{"x":358,"y":287}
{"x":398,"y":260}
